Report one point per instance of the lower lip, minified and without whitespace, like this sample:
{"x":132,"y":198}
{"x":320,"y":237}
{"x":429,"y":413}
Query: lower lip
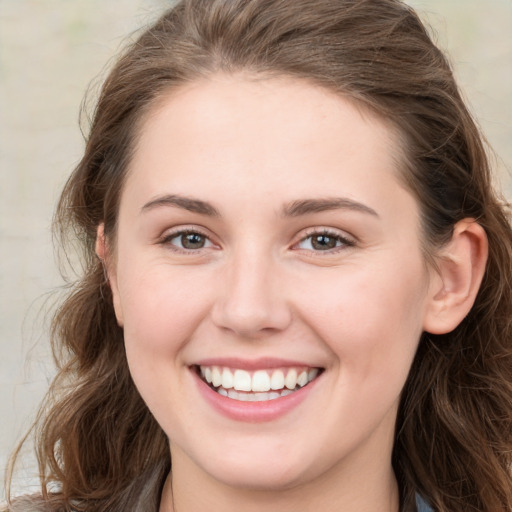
{"x":253,"y":412}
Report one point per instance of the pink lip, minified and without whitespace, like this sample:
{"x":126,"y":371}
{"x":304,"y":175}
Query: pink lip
{"x":255,"y":364}
{"x":251,"y":412}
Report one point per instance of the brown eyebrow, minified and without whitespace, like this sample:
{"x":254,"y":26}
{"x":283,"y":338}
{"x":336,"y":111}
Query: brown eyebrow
{"x":306,"y":206}
{"x":293,"y":209}
{"x":186,"y":203}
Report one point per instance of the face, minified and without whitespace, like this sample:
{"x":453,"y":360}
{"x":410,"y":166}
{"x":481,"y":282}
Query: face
{"x":269,"y":279}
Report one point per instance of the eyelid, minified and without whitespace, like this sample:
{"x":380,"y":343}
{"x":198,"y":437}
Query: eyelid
{"x":171,"y":233}
{"x":347,"y":240}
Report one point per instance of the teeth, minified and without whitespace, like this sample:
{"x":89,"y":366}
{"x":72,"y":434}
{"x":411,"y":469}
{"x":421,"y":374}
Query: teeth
{"x":242,"y":380}
{"x":291,"y":379}
{"x":227,"y":379}
{"x":216,"y":377}
{"x":260,"y":381}
{"x":302,"y":379}
{"x":277,"y":380}
{"x":252,"y":397}
{"x":256,"y":386}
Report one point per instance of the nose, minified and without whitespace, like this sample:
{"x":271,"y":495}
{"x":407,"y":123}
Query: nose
{"x":251,"y":301}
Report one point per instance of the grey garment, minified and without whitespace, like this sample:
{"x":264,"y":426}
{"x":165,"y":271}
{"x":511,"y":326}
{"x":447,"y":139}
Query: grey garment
{"x":421,"y":505}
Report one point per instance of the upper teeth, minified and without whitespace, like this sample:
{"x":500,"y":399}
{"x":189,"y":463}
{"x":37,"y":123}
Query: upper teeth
{"x":258,"y":381}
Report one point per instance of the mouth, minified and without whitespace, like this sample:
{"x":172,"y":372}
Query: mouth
{"x":256,"y":386}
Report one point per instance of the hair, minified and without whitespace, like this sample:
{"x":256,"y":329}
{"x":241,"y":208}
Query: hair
{"x":98,"y":446}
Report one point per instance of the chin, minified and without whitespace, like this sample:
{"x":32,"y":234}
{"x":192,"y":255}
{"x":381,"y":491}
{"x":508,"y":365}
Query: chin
{"x":259,"y":469}
{"x":262,"y":477}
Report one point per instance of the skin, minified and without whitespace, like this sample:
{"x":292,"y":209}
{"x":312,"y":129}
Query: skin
{"x":259,"y":288}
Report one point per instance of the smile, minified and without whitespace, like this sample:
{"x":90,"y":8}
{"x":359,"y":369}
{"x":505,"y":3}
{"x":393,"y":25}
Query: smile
{"x":257,"y":386}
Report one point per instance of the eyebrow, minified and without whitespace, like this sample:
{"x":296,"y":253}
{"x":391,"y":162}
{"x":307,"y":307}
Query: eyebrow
{"x":186,"y":203}
{"x":307,"y":206}
{"x":293,"y":209}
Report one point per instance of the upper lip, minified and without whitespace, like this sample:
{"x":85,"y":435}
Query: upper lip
{"x":253,"y":364}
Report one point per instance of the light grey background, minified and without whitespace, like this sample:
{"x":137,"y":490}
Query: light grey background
{"x":49,"y":52}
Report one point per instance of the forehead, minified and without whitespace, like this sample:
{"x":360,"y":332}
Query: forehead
{"x":273,"y":136}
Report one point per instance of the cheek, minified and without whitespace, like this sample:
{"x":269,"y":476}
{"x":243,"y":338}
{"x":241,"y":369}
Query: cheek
{"x":371,"y":319}
{"x":162,"y":307}
{"x":371,"y":322}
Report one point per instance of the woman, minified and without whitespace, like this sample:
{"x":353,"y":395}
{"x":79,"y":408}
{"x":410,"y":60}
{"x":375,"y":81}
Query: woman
{"x":297,"y":281}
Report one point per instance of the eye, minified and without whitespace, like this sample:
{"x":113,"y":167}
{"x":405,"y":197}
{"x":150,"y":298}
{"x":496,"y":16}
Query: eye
{"x":187,"y":240}
{"x":324,"y":241}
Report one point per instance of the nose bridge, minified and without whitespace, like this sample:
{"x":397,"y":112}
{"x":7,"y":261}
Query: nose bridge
{"x":251,"y":299}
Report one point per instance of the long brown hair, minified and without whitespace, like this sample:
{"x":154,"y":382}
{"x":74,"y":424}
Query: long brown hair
{"x":98,"y":446}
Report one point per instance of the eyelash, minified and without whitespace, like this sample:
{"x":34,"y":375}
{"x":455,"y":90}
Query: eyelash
{"x":166,"y":240}
{"x":344,"y":241}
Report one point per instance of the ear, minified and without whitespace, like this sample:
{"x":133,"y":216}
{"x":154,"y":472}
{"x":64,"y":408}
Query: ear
{"x":456,"y":281}
{"x":103,"y":253}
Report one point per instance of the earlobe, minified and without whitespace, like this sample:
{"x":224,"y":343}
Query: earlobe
{"x":101,"y":249}
{"x":460,"y":270}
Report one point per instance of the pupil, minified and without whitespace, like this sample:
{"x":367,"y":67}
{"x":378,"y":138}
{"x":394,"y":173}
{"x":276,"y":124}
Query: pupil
{"x":323,"y":242}
{"x":192,"y":241}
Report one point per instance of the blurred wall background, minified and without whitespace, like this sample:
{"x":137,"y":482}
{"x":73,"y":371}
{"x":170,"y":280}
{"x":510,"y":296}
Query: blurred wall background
{"x":50,"y":50}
